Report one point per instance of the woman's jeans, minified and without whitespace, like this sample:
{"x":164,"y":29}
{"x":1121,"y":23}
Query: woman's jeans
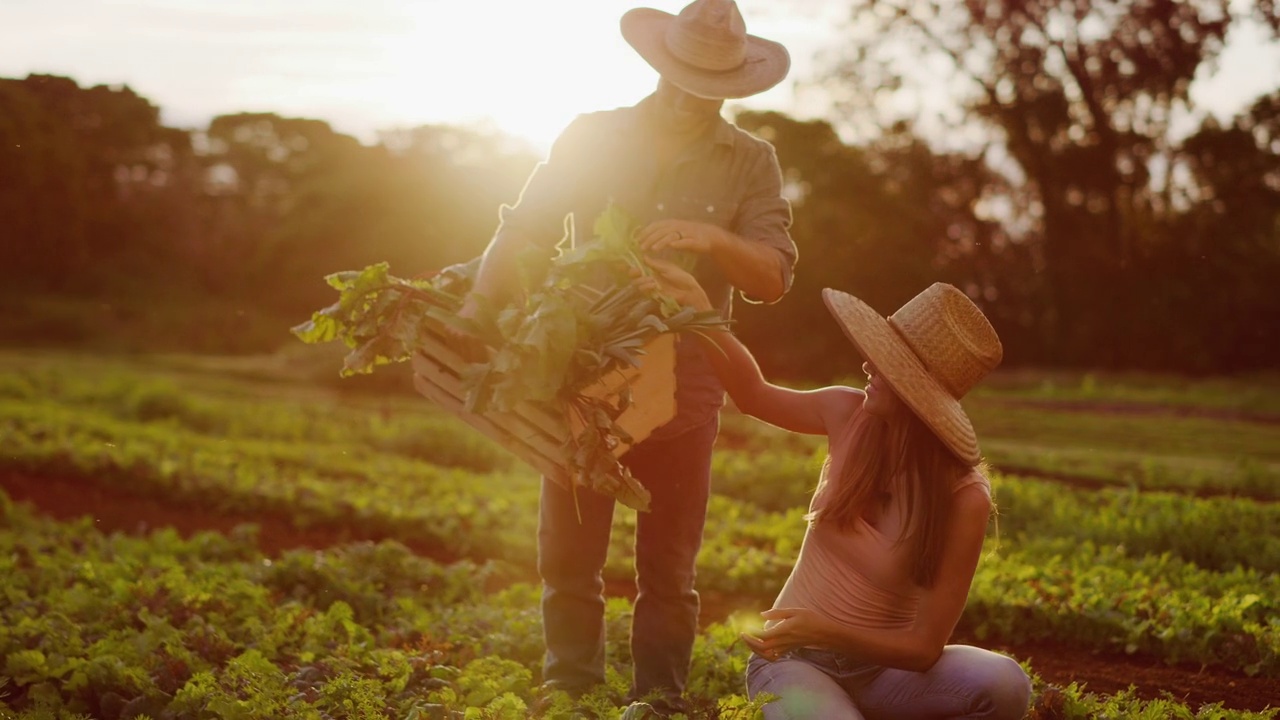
{"x":571,"y":556}
{"x":966,"y":682}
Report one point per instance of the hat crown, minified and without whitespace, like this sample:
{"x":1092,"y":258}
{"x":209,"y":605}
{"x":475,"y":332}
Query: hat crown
{"x":950,"y":336}
{"x":710,"y":35}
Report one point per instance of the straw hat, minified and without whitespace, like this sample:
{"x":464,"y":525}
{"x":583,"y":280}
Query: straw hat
{"x":931,"y":352}
{"x":705,"y":50}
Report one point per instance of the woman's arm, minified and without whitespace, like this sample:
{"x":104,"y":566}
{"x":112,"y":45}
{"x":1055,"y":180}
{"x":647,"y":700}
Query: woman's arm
{"x":803,"y":411}
{"x":813,"y":412}
{"x":916,"y":648}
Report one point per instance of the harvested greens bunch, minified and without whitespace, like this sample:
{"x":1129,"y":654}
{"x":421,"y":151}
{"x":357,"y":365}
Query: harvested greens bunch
{"x":578,"y":319}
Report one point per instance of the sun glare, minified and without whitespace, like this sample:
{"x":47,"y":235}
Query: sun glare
{"x":527,"y":68}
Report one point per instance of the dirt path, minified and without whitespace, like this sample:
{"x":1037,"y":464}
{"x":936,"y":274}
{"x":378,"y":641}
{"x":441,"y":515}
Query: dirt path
{"x":66,"y":499}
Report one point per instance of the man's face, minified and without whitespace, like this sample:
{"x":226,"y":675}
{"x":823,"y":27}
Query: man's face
{"x":681,"y":112}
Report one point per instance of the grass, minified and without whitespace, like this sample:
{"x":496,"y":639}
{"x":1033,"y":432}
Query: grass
{"x":1152,"y":433}
{"x":1150,"y":450}
{"x":1257,"y":393}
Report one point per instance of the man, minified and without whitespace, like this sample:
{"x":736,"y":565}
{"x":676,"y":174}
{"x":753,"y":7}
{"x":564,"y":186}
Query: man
{"x":699,"y":185}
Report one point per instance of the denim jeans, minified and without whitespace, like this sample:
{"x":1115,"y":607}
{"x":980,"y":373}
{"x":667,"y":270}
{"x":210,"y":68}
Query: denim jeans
{"x":966,"y":682}
{"x":571,"y":556}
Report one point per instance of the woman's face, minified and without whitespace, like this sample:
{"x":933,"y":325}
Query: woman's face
{"x":881,"y":400}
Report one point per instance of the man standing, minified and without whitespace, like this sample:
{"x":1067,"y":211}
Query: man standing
{"x":696,"y":184}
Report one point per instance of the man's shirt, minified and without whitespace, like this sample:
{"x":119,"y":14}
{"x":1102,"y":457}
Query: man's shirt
{"x":726,"y":178}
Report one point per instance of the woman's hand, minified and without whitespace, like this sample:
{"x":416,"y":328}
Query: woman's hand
{"x":793,"y":628}
{"x":670,"y":279}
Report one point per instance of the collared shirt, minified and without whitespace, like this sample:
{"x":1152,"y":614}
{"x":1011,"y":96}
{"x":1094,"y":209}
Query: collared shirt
{"x":727,"y":178}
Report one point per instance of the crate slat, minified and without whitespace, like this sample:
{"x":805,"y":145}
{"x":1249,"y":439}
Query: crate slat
{"x":653,"y":391}
{"x":529,"y":426}
{"x":537,"y":435}
{"x":552,"y":467}
{"x":442,"y":356}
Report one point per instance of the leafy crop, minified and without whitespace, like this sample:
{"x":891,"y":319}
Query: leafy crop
{"x":1169,"y":578}
{"x":111,"y":626}
{"x":578,"y":318}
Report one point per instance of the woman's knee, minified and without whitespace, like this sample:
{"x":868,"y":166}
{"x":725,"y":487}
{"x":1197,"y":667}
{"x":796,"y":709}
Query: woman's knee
{"x":798,"y":691}
{"x":1006,"y":688}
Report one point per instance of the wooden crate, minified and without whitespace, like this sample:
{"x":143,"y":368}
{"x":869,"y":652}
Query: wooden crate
{"x":538,"y":435}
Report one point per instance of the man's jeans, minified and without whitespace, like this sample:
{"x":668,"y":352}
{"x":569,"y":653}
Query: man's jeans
{"x":571,"y":556}
{"x":966,"y":682}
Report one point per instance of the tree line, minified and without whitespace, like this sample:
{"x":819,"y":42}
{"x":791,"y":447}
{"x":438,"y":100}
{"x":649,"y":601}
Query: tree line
{"x":1091,"y":236}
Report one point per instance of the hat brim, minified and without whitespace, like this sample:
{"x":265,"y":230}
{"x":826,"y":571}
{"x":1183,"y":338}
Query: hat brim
{"x":765,"y":65}
{"x":905,"y":374}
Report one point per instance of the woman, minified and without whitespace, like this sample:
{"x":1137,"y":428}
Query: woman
{"x":896,"y":525}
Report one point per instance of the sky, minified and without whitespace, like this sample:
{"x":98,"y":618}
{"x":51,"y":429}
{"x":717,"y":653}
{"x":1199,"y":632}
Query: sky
{"x":525,"y":67}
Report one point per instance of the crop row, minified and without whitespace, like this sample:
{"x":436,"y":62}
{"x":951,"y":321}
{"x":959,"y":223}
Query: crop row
{"x":1150,"y":451}
{"x":1136,"y":452}
{"x":1205,"y":615}
{"x":110,"y":626}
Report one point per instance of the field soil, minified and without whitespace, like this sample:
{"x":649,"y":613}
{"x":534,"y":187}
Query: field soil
{"x":1061,"y":665}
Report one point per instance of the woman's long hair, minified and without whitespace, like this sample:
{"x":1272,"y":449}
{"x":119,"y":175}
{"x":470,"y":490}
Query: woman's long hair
{"x":905,"y":448}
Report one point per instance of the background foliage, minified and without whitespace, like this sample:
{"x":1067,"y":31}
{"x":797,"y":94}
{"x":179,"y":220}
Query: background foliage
{"x":1101,"y":218}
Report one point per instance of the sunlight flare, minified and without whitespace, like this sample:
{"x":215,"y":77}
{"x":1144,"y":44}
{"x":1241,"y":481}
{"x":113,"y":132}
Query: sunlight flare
{"x":528,"y":72}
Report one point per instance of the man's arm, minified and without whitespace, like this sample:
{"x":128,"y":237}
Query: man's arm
{"x":535,"y":221}
{"x":758,"y":255}
{"x":754,"y":268}
{"x":498,"y":273}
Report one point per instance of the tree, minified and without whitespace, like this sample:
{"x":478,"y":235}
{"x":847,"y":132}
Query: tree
{"x":270,"y":199}
{"x":1227,"y":243}
{"x":1075,"y":102}
{"x":450,"y":182}
{"x":881,"y":223}
{"x":80,"y":168}
{"x":290,"y":200}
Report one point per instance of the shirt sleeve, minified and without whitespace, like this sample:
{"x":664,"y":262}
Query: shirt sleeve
{"x":764,"y":215}
{"x":554,"y":188}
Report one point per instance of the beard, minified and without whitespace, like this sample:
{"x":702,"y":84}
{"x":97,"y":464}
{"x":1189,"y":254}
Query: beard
{"x":683,"y":121}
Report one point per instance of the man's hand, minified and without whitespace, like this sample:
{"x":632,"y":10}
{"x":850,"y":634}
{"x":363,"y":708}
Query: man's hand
{"x":687,"y":235}
{"x":669,"y":279}
{"x":754,"y":268}
{"x":470,"y":347}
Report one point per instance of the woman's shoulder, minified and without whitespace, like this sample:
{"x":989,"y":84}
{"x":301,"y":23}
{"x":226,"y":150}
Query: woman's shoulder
{"x":975,"y":478}
{"x":842,"y":406}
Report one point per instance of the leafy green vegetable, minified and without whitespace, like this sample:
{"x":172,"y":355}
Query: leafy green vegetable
{"x":576,"y":319}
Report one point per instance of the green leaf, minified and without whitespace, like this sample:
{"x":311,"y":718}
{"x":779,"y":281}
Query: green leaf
{"x":554,"y":338}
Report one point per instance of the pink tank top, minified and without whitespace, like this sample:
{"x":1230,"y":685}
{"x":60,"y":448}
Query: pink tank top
{"x":859,"y":576}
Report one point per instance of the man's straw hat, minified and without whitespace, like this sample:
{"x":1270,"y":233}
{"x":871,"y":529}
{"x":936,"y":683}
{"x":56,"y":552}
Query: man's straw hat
{"x":931,"y":352}
{"x":705,"y":50}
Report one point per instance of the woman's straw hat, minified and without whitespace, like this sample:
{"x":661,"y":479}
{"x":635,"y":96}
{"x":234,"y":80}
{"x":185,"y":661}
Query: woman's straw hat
{"x":705,"y":50}
{"x":931,"y":352}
